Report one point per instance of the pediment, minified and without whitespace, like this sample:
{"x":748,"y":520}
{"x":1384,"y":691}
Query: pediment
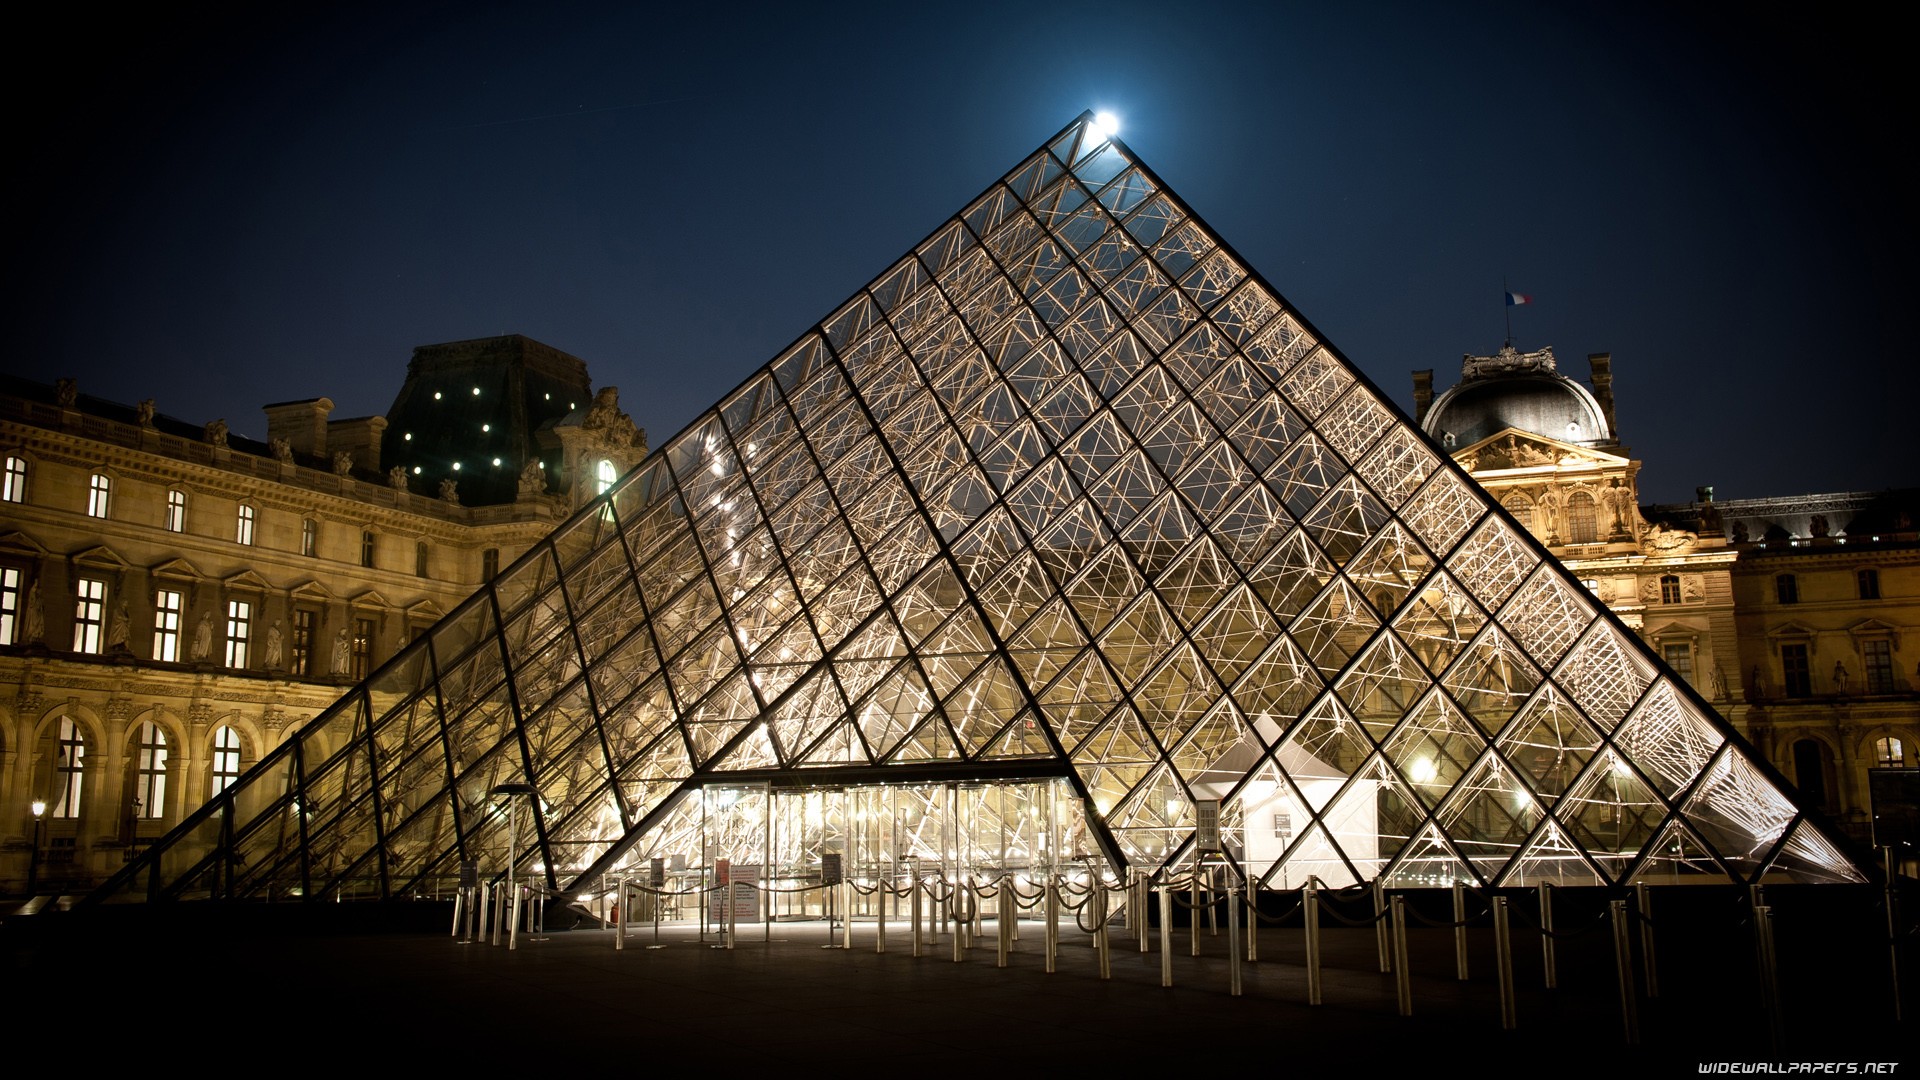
{"x":100,"y":555}
{"x":372,"y":598}
{"x":425,"y":610}
{"x":16,"y":542}
{"x":311,"y":590}
{"x":175,"y":567}
{"x":248,"y":579}
{"x":1791,"y":629}
{"x":1512,"y":448}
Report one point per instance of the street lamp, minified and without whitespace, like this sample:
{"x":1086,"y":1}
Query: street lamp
{"x":33,"y":860}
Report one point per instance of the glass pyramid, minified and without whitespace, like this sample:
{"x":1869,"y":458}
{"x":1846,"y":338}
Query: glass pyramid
{"x":1063,"y":525}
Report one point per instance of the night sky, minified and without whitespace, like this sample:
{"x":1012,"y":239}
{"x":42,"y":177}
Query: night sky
{"x":222,"y":214}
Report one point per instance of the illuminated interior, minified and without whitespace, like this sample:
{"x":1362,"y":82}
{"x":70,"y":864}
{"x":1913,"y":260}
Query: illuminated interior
{"x":1064,"y":523}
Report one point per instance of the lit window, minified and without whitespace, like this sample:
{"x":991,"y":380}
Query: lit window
{"x":1521,"y":508}
{"x":99,"y":495}
{"x":1878,"y":658}
{"x":302,"y":642}
{"x":226,"y":758}
{"x":239,"y":632}
{"x":69,"y":770}
{"x":1581,"y":522}
{"x":1889,"y":753}
{"x":366,"y":547}
{"x":176,"y":511}
{"x":9,"y":602}
{"x":89,"y":613}
{"x":603,"y":476}
{"x":1869,"y":584}
{"x":243,"y":525}
{"x":150,"y":783}
{"x":166,"y":625}
{"x":1669,"y":589}
{"x":490,"y":564}
{"x":1794,"y":669}
{"x":309,"y":537}
{"x":13,"y":484}
{"x":1786,"y":589}
{"x":362,"y":648}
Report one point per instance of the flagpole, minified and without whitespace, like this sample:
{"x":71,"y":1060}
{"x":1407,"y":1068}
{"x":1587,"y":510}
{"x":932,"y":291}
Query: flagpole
{"x":1507,"y":308}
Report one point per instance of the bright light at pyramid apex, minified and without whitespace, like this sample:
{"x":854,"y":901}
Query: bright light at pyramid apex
{"x":1105,"y":125}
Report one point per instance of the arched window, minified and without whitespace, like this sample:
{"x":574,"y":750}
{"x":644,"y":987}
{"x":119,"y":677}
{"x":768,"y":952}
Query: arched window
{"x":1521,"y":508}
{"x":176,"y":510}
{"x":150,"y":778}
{"x":1669,"y":589}
{"x":309,"y":536}
{"x":1810,"y":772}
{"x":1889,"y":753}
{"x":604,"y":476}
{"x":13,"y":482}
{"x":420,"y":558}
{"x":243,"y":525}
{"x":366,"y":547}
{"x":1869,"y":581}
{"x":226,"y":758}
{"x":69,"y":769}
{"x":1581,"y":525}
{"x":1787,"y":589}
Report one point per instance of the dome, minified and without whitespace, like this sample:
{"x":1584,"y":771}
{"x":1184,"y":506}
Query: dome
{"x":1516,"y":390}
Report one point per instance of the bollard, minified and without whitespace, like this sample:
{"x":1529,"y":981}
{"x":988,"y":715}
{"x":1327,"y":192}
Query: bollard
{"x":959,"y":922}
{"x":1769,"y":972}
{"x":1645,"y":897}
{"x":1193,"y":914}
{"x":1380,"y":926}
{"x":1100,"y":942}
{"x":846,"y":918}
{"x":914,"y":885}
{"x":1403,"y":978}
{"x":1503,"y":950}
{"x":1460,"y":930}
{"x":880,"y":894}
{"x":1143,"y":888}
{"x":1166,"y":929}
{"x":1891,"y":901}
{"x":1233,"y":943}
{"x":1003,"y":923}
{"x":1053,"y":924}
{"x":513,"y":929}
{"x":733,"y":919}
{"x":1253,"y":921}
{"x":1312,"y":904}
{"x":1623,"y":967}
{"x":1546,"y":936}
{"x":619,"y":911}
{"x":458,"y":895}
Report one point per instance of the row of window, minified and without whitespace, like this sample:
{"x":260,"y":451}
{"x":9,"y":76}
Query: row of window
{"x":93,"y":634}
{"x":1786,"y":587}
{"x":151,"y":755}
{"x":1876,"y":656}
{"x":100,"y":500}
{"x":1582,"y":516}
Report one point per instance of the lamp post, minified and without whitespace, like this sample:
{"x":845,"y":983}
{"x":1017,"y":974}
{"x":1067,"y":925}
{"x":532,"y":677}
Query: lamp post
{"x":33,"y":859}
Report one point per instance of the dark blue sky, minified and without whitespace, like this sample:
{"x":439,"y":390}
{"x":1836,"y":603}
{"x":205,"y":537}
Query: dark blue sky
{"x":221,"y":214}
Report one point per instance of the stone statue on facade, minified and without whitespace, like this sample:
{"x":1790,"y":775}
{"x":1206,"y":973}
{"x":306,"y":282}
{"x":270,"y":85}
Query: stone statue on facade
{"x":36,"y":616}
{"x":342,"y":652}
{"x":1740,"y":534}
{"x":215,"y":432}
{"x":117,"y":629}
{"x":282,"y":450}
{"x":397,"y":477}
{"x":1818,"y":525}
{"x":144,"y":412}
{"x":275,"y":639}
{"x":1717,"y":682}
{"x":1839,"y":677}
{"x":343,"y":463}
{"x":533,"y":479}
{"x":66,"y":391}
{"x":450,"y":490}
{"x":203,"y":639}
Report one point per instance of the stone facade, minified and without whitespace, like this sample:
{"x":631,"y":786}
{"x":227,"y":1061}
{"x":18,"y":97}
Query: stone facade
{"x":1701,"y":582}
{"x":176,"y":599}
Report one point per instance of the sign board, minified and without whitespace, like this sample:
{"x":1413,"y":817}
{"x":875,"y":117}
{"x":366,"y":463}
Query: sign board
{"x":1206,"y":824}
{"x":469,"y":874}
{"x":657,"y":873}
{"x":830,"y":873}
{"x":741,"y":883}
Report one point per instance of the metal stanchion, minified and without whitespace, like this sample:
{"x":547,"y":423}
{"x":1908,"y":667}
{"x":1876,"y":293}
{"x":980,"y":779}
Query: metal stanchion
{"x":915,"y":887}
{"x":1380,"y":926}
{"x":1166,"y":931}
{"x":1402,"y":977}
{"x":1460,"y":930}
{"x":620,"y":916}
{"x":1253,"y":920}
{"x":1053,"y":923}
{"x":880,"y":917}
{"x":1101,"y":943}
{"x":1193,"y":913}
{"x":1503,"y":951}
{"x":1312,"y":903}
{"x":846,"y":914}
{"x":732,"y":916}
{"x":458,"y":895}
{"x":513,"y":929}
{"x":1645,"y":896}
{"x":1546,"y":936}
{"x":1233,"y":942}
{"x":1143,"y":889}
{"x":1892,"y":903}
{"x":959,"y":922}
{"x":1003,"y":923}
{"x":1769,"y":971}
{"x":1623,"y":966}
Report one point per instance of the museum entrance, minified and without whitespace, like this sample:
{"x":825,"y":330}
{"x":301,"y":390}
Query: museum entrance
{"x":784,"y":843}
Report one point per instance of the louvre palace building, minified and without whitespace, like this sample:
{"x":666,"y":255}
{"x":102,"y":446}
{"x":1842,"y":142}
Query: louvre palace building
{"x":1062,"y":537}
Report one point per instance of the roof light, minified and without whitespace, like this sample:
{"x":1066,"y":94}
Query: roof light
{"x":1105,"y":125}
{"x":496,"y":461}
{"x":456,"y":466}
{"x":436,"y":395}
{"x":409,"y":436}
{"x":476,"y":391}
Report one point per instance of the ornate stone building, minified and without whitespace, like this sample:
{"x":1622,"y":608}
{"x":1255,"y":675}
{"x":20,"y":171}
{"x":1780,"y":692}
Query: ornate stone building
{"x":1794,"y":616}
{"x":175,"y":599}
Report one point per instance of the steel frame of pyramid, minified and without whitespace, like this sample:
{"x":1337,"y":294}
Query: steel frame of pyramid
{"x":1069,"y":511}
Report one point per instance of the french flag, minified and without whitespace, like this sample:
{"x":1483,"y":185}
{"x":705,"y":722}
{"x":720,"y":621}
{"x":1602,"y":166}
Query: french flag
{"x":1515,"y":299}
